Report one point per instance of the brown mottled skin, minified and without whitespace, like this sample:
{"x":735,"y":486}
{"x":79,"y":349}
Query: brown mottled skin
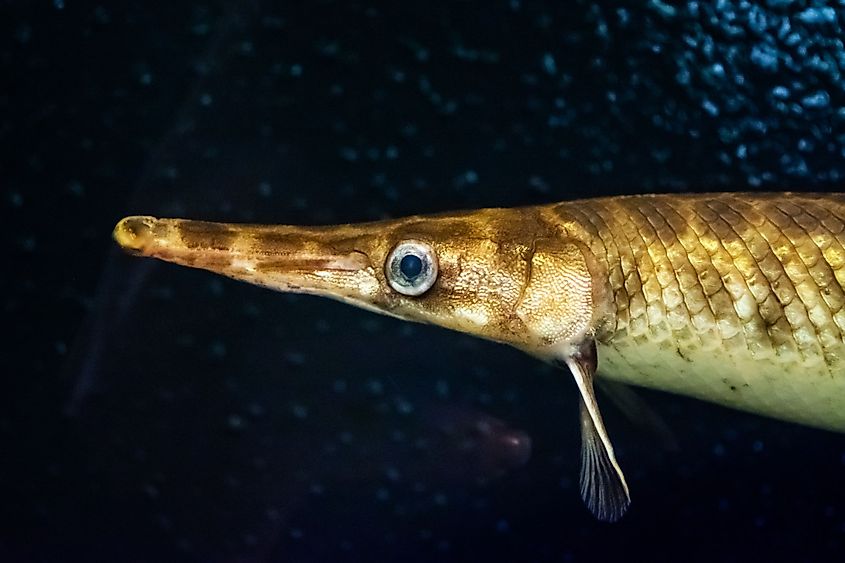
{"x":734,"y":298}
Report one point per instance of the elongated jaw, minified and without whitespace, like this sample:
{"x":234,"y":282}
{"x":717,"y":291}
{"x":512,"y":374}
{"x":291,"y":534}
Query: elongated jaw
{"x":317,"y":260}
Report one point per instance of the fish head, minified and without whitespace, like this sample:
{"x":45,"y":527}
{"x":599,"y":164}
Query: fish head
{"x":500,"y":274}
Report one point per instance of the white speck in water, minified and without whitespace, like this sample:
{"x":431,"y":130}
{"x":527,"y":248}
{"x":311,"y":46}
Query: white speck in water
{"x":815,"y":16}
{"x":818,"y":99}
{"x":403,"y":406}
{"x":780,"y":92}
{"x":218,"y":349}
{"x":234,"y":422}
{"x":349,"y":154}
{"x":549,"y":64}
{"x":710,"y":108}
{"x":265,"y":189}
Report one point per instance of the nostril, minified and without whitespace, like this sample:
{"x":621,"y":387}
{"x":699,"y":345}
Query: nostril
{"x":134,"y":233}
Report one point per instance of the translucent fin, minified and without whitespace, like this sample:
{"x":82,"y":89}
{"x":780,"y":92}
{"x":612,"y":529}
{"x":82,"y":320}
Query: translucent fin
{"x":603,"y":485}
{"x":639,"y":412}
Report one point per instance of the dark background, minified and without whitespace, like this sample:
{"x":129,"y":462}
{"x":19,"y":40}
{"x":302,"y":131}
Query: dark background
{"x":152,"y":413}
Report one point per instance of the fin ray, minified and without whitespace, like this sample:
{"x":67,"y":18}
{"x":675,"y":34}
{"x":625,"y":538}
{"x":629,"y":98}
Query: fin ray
{"x":603,"y":485}
{"x":603,"y":488}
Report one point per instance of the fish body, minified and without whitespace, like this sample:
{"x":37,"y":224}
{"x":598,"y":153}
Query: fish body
{"x":732,"y":298}
{"x":737,"y":299}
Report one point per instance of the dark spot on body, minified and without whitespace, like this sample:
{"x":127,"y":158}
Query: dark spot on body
{"x":202,"y":234}
{"x":682,"y":355}
{"x":265,"y":266}
{"x":275,"y":240}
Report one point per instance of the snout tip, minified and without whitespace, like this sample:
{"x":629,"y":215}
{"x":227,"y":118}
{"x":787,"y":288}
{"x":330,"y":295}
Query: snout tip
{"x":134,"y":234}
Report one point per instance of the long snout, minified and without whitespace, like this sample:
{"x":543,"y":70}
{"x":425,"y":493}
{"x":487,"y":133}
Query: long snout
{"x":319,"y":260}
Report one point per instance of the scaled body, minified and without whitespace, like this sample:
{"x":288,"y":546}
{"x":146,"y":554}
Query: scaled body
{"x":736,"y":299}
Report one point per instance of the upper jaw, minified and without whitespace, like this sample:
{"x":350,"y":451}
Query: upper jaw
{"x":314,"y":260}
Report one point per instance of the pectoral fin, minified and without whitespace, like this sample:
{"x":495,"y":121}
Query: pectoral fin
{"x":603,"y":485}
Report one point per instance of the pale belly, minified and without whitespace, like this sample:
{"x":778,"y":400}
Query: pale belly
{"x":802,"y":390}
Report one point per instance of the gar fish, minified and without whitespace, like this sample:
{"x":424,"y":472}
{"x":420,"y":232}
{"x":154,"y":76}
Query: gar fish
{"x":737,"y":299}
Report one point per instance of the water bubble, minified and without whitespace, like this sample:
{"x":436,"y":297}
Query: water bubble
{"x":780,"y":92}
{"x":818,"y":99}
{"x":234,"y":422}
{"x":549,"y":64}
{"x":349,"y":154}
{"x":765,"y":56}
{"x":815,"y":16}
{"x":710,"y":108}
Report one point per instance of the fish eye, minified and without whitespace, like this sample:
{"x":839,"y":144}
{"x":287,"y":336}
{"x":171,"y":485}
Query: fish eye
{"x":411,"y":267}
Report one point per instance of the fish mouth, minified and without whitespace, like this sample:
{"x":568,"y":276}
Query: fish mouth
{"x":134,"y":234}
{"x":329,"y":261}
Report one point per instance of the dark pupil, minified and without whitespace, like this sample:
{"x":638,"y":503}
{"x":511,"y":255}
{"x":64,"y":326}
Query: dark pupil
{"x":410,"y":266}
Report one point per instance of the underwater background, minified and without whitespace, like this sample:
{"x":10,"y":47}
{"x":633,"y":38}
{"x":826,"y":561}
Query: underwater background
{"x":154,"y":413}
